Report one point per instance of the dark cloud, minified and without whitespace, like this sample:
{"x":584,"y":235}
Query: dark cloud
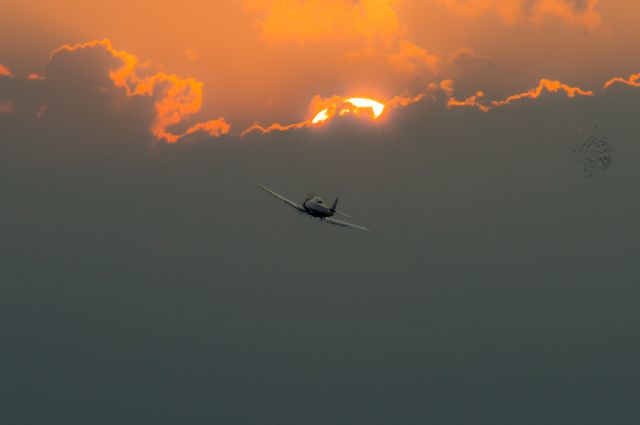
{"x":473,"y":72}
{"x":581,"y":13}
{"x":152,"y":283}
{"x":76,"y":109}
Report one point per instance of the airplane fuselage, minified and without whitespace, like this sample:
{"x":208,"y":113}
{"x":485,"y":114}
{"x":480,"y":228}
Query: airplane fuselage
{"x":317,"y":208}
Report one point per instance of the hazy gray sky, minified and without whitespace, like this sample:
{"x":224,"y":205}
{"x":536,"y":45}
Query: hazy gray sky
{"x":149,"y":283}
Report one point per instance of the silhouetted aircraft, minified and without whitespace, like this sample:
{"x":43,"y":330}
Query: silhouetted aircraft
{"x":315,"y":207}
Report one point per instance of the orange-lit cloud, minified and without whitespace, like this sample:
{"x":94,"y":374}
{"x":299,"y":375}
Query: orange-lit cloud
{"x":323,"y":110}
{"x":405,"y":100}
{"x":463,"y":52}
{"x":215,"y":128}
{"x":446,"y":86}
{"x":413,"y":60}
{"x":324,"y":20}
{"x":176,"y":97}
{"x":274,"y":127}
{"x":633,"y":81}
{"x":473,"y":101}
{"x":5,"y":72}
{"x":122,"y":76}
{"x":552,"y":86}
{"x":476,"y":100}
{"x":581,"y":13}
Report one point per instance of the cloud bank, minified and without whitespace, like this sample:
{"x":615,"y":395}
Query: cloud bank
{"x":581,"y":13}
{"x":176,"y":98}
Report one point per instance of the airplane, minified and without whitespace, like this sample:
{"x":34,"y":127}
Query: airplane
{"x":315,"y":207}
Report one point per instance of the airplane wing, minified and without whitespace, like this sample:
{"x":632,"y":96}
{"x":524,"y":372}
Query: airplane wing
{"x":345,"y":224}
{"x":344,"y":215}
{"x":282,"y":198}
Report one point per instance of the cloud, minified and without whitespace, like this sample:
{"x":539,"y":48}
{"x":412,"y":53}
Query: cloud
{"x":316,"y":105}
{"x":96,"y":72}
{"x":462,"y":54}
{"x":323,"y":109}
{"x":414,"y":61}
{"x":175,"y":97}
{"x":405,"y":100}
{"x":475,"y":101}
{"x":419,"y":66}
{"x":5,"y":71}
{"x":552,"y":86}
{"x":258,"y":128}
{"x":7,"y":106}
{"x":324,"y":20}
{"x":580,"y":13}
{"x":545,"y":85}
{"x":633,"y":81}
{"x":472,"y":101}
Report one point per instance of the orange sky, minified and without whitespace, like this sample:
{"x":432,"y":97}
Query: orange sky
{"x":265,"y":60}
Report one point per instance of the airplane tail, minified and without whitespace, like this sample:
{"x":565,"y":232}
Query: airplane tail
{"x":335,"y":211}
{"x":334,"y":206}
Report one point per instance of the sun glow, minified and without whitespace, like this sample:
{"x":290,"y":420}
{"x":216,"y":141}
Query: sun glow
{"x":321,"y":116}
{"x":351,"y":105}
{"x":362,"y":102}
{"x":328,"y":108}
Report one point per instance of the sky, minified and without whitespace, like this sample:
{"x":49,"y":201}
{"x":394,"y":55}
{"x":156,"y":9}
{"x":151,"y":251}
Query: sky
{"x":490,"y":145}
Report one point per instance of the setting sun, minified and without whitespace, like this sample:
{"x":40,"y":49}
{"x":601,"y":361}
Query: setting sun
{"x":349,"y":105}
{"x":376,"y":107}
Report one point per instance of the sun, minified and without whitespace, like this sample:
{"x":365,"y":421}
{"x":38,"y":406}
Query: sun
{"x":349,"y":105}
{"x":362,"y":103}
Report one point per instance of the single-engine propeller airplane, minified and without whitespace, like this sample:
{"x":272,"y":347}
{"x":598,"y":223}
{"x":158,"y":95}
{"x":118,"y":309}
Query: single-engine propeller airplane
{"x":315,"y":207}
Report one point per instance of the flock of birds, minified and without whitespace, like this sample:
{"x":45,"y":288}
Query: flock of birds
{"x":594,"y":154}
